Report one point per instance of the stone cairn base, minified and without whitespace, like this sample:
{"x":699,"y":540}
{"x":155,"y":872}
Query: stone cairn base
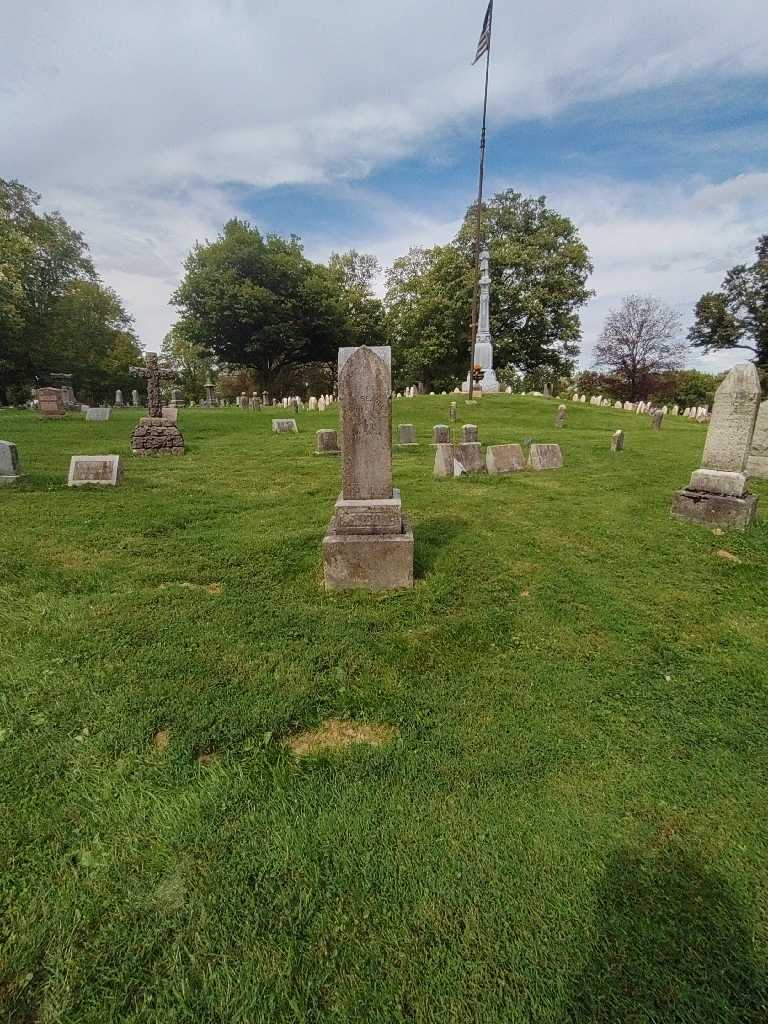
{"x":156,"y":436}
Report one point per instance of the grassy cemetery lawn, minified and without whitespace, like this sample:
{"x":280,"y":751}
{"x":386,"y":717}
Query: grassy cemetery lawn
{"x":569,"y":824}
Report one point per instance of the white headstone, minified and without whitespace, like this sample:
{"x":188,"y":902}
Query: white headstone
{"x":103,"y":470}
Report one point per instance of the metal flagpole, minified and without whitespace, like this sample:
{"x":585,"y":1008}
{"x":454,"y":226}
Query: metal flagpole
{"x":478,"y":227}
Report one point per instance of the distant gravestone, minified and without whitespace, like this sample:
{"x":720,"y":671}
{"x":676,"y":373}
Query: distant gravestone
{"x":441,"y":434}
{"x":100,"y":415}
{"x":170,"y":414}
{"x":675,"y":410}
{"x":10,"y":470}
{"x":469,"y":433}
{"x":321,"y":405}
{"x":313,"y":404}
{"x":657,"y":418}
{"x":617,"y":441}
{"x":583,"y":399}
{"x":468,"y":458}
{"x":119,"y":403}
{"x":501,"y":459}
{"x":255,"y":403}
{"x":617,"y":405}
{"x":284,"y":427}
{"x":717,"y":494}
{"x":177,"y":398}
{"x":105,"y":470}
{"x":757,"y":462}
{"x":545,"y":456}
{"x":452,"y":412}
{"x":326,"y":443}
{"x":406,"y":435}
{"x":562,"y":412}
{"x":135,"y":398}
{"x":50,"y":403}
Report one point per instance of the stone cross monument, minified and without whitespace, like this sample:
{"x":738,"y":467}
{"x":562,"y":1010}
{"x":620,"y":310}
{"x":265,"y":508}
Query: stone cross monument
{"x":483,"y":344}
{"x":155,"y":435}
{"x":369,"y":543}
{"x":717,"y":494}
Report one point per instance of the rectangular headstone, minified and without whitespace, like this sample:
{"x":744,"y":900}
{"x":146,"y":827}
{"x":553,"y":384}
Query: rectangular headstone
{"x":732,"y":425}
{"x":545,"y":456}
{"x":10,"y":470}
{"x":170,"y":413}
{"x":97,"y":415}
{"x":50,"y":402}
{"x":501,"y":459}
{"x":94,"y":469}
{"x":468,"y":458}
{"x":284,"y":427}
{"x":365,"y":385}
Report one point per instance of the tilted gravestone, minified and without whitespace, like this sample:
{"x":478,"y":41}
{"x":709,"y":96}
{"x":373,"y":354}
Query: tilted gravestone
{"x":10,"y":470}
{"x":757,"y":463}
{"x":545,"y":456}
{"x":717,"y":494}
{"x":369,"y":543}
{"x":104,"y":470}
{"x":501,"y":459}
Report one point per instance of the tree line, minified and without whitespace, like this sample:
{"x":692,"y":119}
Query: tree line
{"x":256,"y":314}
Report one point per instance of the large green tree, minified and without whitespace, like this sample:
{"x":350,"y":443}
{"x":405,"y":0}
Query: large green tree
{"x":354,"y":275}
{"x":539,"y":273}
{"x":257,"y":301}
{"x":737,"y":315}
{"x":192,"y":361}
{"x":55,"y":314}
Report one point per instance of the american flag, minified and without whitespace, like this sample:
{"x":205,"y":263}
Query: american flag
{"x":485,"y":36}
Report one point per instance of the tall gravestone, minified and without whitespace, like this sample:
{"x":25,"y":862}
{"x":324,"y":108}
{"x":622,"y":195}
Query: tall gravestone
{"x":717,"y":494}
{"x":369,"y":543}
{"x":757,"y":463}
{"x":155,"y":435}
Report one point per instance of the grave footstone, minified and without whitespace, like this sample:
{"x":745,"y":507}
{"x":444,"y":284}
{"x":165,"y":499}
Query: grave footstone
{"x":97,"y":415}
{"x":617,"y":441}
{"x":441,"y":434}
{"x":284,"y":427}
{"x":369,"y":543}
{"x":717,"y":494}
{"x":757,"y":463}
{"x":501,"y":459}
{"x":10,"y":469}
{"x":406,"y":436}
{"x":326,"y":443}
{"x":545,"y":456}
{"x":103,"y":470}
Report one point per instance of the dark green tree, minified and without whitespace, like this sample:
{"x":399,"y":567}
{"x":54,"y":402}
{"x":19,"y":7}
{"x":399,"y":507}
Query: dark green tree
{"x":737,"y":315}
{"x":258,"y":302}
{"x":354,"y":275}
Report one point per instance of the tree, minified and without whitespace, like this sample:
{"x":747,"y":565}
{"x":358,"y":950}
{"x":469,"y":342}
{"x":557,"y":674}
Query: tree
{"x":688,"y":388}
{"x":737,"y":315}
{"x":354,"y":274}
{"x":192,"y":362}
{"x":259,"y":302}
{"x":637,"y":345}
{"x":539,"y":270}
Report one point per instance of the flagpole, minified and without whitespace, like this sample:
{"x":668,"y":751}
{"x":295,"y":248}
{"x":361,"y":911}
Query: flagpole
{"x":478,"y":227}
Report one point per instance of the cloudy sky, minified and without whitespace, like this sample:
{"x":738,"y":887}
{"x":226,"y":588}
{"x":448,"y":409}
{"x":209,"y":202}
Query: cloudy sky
{"x":148,"y":124}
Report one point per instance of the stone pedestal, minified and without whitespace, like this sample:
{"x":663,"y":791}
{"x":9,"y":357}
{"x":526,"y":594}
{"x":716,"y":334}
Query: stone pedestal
{"x":721,"y":510}
{"x":369,"y":543}
{"x":156,"y":436}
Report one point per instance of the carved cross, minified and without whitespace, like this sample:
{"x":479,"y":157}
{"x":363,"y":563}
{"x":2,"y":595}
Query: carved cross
{"x":153,"y":374}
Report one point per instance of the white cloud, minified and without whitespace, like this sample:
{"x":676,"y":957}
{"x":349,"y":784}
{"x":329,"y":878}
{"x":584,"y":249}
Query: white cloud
{"x":133,"y":117}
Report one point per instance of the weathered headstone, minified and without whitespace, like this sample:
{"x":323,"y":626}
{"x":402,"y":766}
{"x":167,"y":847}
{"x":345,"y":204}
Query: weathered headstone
{"x":657,"y":418}
{"x":135,"y":398}
{"x":155,"y":435}
{"x":441,"y":434}
{"x":10,"y":470}
{"x":562,"y":412}
{"x":469,"y":433}
{"x":501,"y":459}
{"x":321,"y":405}
{"x":452,"y":412}
{"x":757,"y":462}
{"x":50,"y":403}
{"x":617,"y":441}
{"x":444,"y":460}
{"x":177,"y":398}
{"x":255,"y":403}
{"x":468,"y":458}
{"x":119,"y":403}
{"x":406,"y":435}
{"x":326,"y":443}
{"x":284,"y":427}
{"x":545,"y":456}
{"x":369,"y":543}
{"x":717,"y":494}
{"x":105,"y":470}
{"x":617,"y":405}
{"x":97,"y":415}
{"x":170,"y":414}
{"x":312,"y":404}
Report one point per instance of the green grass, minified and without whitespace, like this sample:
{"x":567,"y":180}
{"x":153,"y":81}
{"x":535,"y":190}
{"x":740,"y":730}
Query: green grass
{"x":571,"y":826}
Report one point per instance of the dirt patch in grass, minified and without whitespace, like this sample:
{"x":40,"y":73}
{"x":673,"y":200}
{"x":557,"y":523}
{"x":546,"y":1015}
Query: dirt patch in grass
{"x":161,"y":739}
{"x":335,"y":734}
{"x":207,"y":757}
{"x":728,"y":556}
{"x":209,"y":588}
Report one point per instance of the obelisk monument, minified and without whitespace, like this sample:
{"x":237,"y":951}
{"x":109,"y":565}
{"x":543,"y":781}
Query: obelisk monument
{"x":483,"y":344}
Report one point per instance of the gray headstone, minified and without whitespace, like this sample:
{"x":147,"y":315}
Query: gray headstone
{"x":617,"y":441}
{"x":105,"y":470}
{"x":134,"y":398}
{"x":119,"y":399}
{"x":501,"y":459}
{"x":365,"y":385}
{"x":732,"y":426}
{"x":97,"y":415}
{"x":444,"y":456}
{"x":284,"y":427}
{"x":326,"y":443}
{"x":545,"y":456}
{"x":562,"y":412}
{"x":469,"y":433}
{"x":441,"y":434}
{"x":657,"y":418}
{"x":170,"y":413}
{"x":468,"y":458}
{"x":757,"y":463}
{"x":452,"y":413}
{"x":10,"y":470}
{"x":406,"y":434}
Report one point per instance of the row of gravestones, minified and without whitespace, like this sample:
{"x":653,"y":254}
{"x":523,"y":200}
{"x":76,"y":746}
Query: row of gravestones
{"x":699,"y":413}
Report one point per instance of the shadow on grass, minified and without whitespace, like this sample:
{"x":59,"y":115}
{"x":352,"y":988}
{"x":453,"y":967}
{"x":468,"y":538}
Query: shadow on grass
{"x":672,"y":946}
{"x":432,"y":537}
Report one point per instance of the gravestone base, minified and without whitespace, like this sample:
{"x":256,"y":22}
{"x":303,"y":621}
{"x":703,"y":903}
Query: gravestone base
{"x":722,"y":510}
{"x":156,"y":436}
{"x":757,"y":467}
{"x":373,"y":562}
